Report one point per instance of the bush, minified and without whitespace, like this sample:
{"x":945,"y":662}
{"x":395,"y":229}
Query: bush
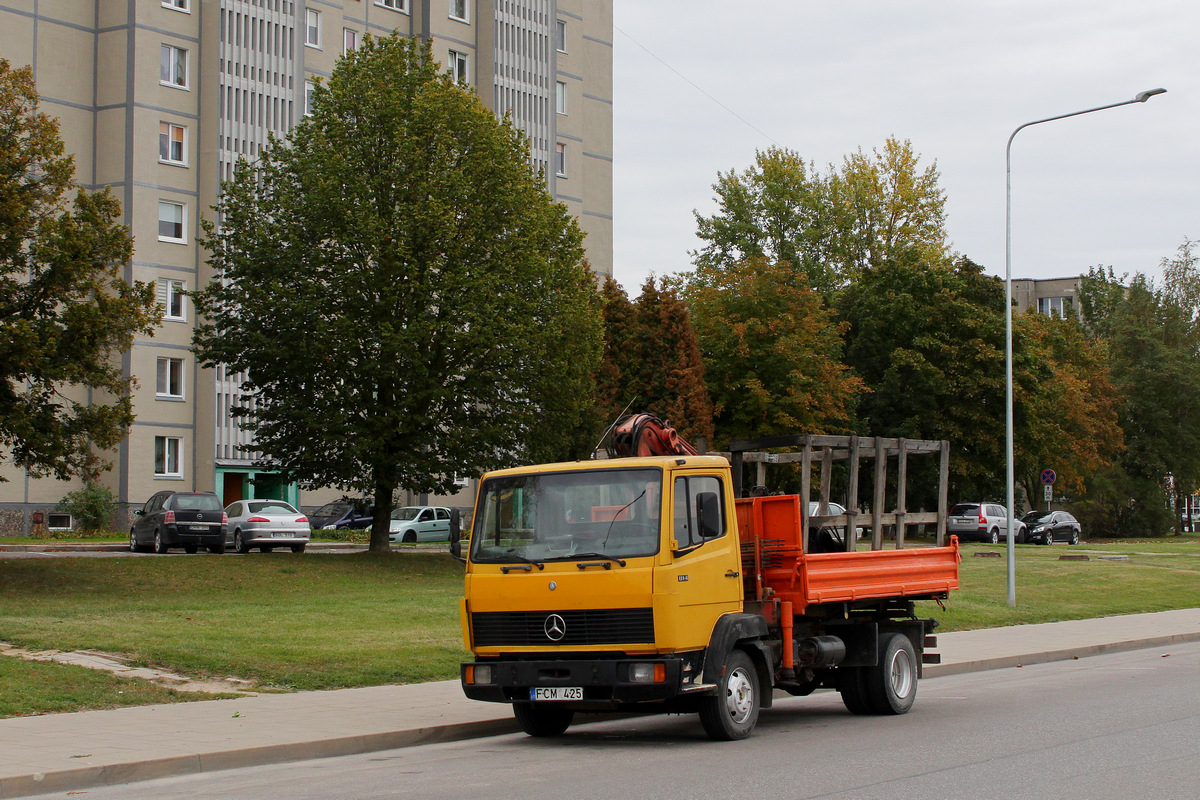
{"x":91,"y":507}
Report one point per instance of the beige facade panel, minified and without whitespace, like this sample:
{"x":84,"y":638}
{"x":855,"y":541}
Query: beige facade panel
{"x":65,"y":60}
{"x":16,"y":38}
{"x":74,"y":12}
{"x":109,"y":167}
{"x":112,"y":68}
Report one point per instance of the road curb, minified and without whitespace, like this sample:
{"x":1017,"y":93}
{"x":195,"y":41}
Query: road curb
{"x":1069,"y":654}
{"x":135,"y":771}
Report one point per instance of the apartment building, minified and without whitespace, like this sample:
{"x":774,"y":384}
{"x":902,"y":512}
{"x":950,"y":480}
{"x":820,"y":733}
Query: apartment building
{"x":1054,"y":297}
{"x":157,"y":99}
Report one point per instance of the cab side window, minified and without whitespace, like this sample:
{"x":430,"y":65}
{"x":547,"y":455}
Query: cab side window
{"x":699,"y":510}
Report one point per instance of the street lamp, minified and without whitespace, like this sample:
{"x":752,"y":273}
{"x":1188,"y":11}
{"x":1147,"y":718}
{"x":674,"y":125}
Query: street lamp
{"x":1140,"y":97}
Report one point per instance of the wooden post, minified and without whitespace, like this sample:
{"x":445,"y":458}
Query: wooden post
{"x":901,"y":493}
{"x":880,"y":494}
{"x":852,"y":496}
{"x":826,"y":477}
{"x":943,"y":493}
{"x":805,"y":493}
{"x":760,"y":475}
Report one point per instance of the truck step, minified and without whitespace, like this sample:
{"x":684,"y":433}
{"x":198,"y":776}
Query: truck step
{"x":931,"y":658}
{"x":930,"y":642}
{"x":698,"y":687}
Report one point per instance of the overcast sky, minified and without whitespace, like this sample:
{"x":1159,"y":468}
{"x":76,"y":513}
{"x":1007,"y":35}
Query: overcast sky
{"x":1120,"y":187}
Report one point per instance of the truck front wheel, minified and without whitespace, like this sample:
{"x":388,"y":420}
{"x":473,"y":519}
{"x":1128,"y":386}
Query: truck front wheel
{"x":891,"y":685}
{"x":541,"y":720}
{"x":732,"y":712}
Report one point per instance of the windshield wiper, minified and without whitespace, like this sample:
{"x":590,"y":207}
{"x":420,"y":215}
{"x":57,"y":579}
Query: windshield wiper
{"x":606,"y":563}
{"x":527,"y":564}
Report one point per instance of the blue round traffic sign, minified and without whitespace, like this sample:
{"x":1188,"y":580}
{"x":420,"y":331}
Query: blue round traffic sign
{"x":1048,"y":477}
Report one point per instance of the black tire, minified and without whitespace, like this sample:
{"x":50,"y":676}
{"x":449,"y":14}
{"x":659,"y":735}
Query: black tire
{"x":854,"y":693}
{"x":995,"y":536}
{"x":732,"y":712}
{"x":218,"y":548}
{"x":891,"y":685}
{"x":409,"y":538}
{"x":297,"y":548}
{"x":134,"y":547}
{"x":266,"y":548}
{"x":1049,"y":538}
{"x":239,"y":542}
{"x":190,"y":549}
{"x":1074,"y":537}
{"x":542,"y":720}
{"x":160,"y":544}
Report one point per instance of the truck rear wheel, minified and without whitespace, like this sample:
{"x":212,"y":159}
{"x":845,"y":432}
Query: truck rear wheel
{"x":732,"y":712}
{"x":542,"y":720}
{"x":852,"y":689}
{"x":891,"y":685}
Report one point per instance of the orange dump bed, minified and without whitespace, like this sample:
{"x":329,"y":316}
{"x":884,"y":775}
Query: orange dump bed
{"x":775,"y":564}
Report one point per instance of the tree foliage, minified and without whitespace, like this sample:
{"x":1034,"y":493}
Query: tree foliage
{"x":928,"y":341}
{"x":1153,"y":337}
{"x":826,"y":225}
{"x":772,"y":352}
{"x":407,"y":302}
{"x":652,"y":360}
{"x":66,"y":313}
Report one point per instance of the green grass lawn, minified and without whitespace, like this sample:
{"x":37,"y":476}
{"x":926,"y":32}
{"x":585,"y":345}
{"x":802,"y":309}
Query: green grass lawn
{"x":319,"y":622}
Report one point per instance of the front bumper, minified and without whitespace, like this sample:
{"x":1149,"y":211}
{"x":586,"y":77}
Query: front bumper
{"x":605,"y":682}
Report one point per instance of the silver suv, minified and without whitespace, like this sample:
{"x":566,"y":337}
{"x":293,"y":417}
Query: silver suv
{"x":986,"y":522}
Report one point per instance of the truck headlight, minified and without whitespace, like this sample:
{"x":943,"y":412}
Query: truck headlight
{"x":647,"y":673}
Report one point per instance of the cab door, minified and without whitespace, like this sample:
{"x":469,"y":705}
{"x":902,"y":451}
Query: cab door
{"x":701,"y":578}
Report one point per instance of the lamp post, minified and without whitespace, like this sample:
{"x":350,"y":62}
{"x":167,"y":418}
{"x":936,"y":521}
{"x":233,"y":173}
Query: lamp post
{"x":1141,"y":97}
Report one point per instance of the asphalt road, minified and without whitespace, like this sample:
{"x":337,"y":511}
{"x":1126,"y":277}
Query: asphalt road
{"x":1101,"y":728}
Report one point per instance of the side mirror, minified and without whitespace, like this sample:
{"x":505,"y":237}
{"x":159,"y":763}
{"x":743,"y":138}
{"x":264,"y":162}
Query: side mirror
{"x":708,"y":507}
{"x":456,"y":535}
{"x":137,"y":512}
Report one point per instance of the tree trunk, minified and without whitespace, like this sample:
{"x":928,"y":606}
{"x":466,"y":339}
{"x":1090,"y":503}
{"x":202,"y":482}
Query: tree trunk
{"x":381,"y":522}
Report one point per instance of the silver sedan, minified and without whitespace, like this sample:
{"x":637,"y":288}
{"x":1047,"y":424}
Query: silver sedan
{"x":266,"y":524}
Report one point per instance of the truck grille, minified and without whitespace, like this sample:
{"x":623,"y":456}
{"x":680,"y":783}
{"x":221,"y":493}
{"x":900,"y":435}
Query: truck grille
{"x":536,"y":628}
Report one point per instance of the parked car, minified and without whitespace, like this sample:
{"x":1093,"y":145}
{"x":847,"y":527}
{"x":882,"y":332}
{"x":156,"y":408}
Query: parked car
{"x":830,"y":538}
{"x":420,"y":524}
{"x":344,"y":513}
{"x":266,"y":524}
{"x":1048,"y":527}
{"x":987,"y":522}
{"x":190,"y":520}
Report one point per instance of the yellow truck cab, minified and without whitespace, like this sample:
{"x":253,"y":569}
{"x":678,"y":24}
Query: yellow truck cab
{"x":626,"y":584}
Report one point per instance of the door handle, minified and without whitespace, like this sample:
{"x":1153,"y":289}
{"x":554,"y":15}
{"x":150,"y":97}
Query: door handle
{"x":733,"y":574}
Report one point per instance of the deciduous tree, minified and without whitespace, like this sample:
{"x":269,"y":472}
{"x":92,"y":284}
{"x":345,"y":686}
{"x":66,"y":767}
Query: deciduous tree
{"x":405,"y":298}
{"x":66,"y":312}
{"x":772,"y":351}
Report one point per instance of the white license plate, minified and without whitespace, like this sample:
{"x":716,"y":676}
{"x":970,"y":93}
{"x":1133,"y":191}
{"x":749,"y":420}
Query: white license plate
{"x":282,"y":534}
{"x":556,"y":693}
{"x":198,"y":527}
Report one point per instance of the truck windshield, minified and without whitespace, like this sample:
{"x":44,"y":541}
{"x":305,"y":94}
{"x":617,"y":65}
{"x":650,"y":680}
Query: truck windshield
{"x":554,"y":516}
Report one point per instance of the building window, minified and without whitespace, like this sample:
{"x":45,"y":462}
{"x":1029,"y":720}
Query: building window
{"x":560,"y":35}
{"x":168,"y":457}
{"x":560,"y":160}
{"x":459,"y":67}
{"x":309,"y":90}
{"x":170,"y":221}
{"x":178,"y":5}
{"x":312,"y":28}
{"x":1054,"y":306}
{"x":171,"y":149}
{"x":170,"y":378}
{"x":59,"y":522}
{"x":395,"y":5}
{"x":349,"y":40}
{"x":173,"y":66}
{"x":173,"y":300}
{"x":560,"y":97}
{"x":458,"y":10}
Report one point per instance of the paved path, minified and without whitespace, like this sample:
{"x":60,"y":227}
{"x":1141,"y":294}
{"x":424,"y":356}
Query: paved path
{"x":64,"y":752}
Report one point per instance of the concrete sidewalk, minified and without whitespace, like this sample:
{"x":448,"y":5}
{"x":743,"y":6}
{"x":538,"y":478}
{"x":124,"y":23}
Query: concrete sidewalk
{"x":63,"y":752}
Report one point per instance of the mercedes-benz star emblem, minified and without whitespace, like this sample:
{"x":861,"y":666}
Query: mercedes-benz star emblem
{"x":555,"y":627}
